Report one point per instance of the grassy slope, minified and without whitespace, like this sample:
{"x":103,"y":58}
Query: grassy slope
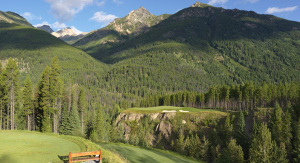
{"x":25,"y":146}
{"x":137,"y":155}
{"x":12,"y":17}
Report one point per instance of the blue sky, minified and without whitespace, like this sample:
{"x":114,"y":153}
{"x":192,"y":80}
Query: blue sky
{"x":88,"y":15}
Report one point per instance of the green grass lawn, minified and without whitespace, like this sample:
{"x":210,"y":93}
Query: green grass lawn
{"x":161,"y":108}
{"x":141,"y":155}
{"x":35,"y":147}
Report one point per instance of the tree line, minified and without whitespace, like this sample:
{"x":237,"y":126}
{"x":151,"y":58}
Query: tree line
{"x":235,"y":97}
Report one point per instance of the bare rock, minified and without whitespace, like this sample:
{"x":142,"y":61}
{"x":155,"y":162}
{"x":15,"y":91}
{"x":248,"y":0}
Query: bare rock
{"x":165,"y":128}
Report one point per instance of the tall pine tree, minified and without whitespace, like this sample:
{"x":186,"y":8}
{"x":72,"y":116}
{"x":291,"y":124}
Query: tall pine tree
{"x":82,"y":108}
{"x":262,"y":146}
{"x":44,"y":102}
{"x":240,"y":134}
{"x":73,"y":120}
{"x":28,"y":101}
{"x":296,"y":143}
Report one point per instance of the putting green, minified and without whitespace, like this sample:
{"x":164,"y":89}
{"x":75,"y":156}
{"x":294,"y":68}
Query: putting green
{"x":137,"y":155}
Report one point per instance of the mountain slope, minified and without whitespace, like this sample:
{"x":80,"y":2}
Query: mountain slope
{"x":34,"y":49}
{"x":121,"y":29}
{"x":11,"y":17}
{"x":204,"y":45}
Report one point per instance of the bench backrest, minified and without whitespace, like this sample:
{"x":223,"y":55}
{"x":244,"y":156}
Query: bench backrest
{"x":71,"y":155}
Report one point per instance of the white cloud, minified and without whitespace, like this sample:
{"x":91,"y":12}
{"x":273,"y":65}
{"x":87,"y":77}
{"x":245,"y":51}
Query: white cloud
{"x":102,"y":17}
{"x":59,"y":25}
{"x":272,"y":10}
{"x":41,"y":24}
{"x":252,"y":1}
{"x":30,"y":16}
{"x":65,"y":10}
{"x":214,"y":2}
{"x":118,"y":2}
{"x":101,"y":3}
{"x":76,"y":30}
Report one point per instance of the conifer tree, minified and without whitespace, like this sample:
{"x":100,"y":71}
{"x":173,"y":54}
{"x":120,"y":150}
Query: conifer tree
{"x":180,"y":142}
{"x":261,"y":146}
{"x":287,"y":131}
{"x":235,"y":152}
{"x":115,"y":111}
{"x":196,"y":146}
{"x":82,"y":108}
{"x":100,"y":125}
{"x":44,"y":97}
{"x":227,"y":130}
{"x":10,"y":81}
{"x":296,"y":143}
{"x":279,"y":154}
{"x":73,"y":121}
{"x":1,"y":97}
{"x":240,"y":134}
{"x":55,"y":92}
{"x":64,"y":124}
{"x":91,"y":132}
{"x":28,"y":101}
{"x":277,"y":125}
{"x":204,"y":149}
{"x":188,"y":146}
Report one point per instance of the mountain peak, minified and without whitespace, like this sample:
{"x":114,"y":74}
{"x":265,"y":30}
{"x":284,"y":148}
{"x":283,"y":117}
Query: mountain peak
{"x":64,"y":32}
{"x":199,"y":4}
{"x":46,"y":28}
{"x":139,"y":15}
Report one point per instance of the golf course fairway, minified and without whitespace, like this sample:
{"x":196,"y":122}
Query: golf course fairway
{"x":141,"y":155}
{"x":36,"y":147}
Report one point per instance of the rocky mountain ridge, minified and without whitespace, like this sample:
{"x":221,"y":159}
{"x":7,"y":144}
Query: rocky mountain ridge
{"x":121,"y":29}
{"x":46,"y":28}
{"x":68,"y":35}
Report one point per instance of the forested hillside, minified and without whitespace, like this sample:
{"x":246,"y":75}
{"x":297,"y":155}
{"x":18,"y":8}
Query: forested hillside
{"x":201,"y":46}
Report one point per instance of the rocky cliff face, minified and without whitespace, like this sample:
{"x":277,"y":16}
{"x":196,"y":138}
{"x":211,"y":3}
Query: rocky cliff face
{"x":46,"y":28}
{"x":162,"y":123}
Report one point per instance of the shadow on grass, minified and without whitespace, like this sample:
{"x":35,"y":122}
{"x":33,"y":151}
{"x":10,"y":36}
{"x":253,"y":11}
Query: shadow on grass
{"x":171,"y":157}
{"x":65,"y":159}
{"x":5,"y":158}
{"x":136,"y":157}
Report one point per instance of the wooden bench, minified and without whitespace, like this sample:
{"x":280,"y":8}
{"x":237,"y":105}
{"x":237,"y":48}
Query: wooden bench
{"x":85,"y":156}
